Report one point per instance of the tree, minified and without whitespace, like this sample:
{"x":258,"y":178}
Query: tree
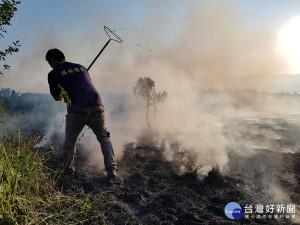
{"x":7,"y":10}
{"x":144,"y":88}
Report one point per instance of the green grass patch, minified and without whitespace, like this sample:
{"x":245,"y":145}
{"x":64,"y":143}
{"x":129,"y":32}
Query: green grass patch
{"x":28,"y":194}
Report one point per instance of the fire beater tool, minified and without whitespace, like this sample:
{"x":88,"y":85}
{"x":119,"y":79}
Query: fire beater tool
{"x":112,"y":36}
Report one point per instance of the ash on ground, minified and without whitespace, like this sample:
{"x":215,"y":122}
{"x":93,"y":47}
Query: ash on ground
{"x":154,"y":191}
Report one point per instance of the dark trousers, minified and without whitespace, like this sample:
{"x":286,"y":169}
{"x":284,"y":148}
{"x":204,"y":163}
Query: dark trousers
{"x":94,"y":118}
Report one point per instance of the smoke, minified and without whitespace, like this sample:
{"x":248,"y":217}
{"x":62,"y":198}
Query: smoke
{"x":212,"y":49}
{"x":214,"y":45}
{"x":220,"y":49}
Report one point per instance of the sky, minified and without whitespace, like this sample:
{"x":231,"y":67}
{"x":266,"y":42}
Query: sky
{"x":216,"y":44}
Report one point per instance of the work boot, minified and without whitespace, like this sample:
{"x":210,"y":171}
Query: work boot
{"x":111,"y":175}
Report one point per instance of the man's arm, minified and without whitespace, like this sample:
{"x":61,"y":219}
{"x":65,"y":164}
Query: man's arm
{"x":54,"y":89}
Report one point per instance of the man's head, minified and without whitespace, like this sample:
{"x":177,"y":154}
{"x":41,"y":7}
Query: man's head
{"x":54,"y":57}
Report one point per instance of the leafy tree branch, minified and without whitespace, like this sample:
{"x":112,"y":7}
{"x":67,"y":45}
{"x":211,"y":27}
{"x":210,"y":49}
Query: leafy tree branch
{"x":7,"y":11}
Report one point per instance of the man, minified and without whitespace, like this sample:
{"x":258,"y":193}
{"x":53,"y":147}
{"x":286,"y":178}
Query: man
{"x":71,"y":82}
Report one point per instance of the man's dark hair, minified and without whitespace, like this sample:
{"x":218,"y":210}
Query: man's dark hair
{"x":54,"y":53}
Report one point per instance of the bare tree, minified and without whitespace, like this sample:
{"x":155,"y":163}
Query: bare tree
{"x":7,"y":10}
{"x":144,"y":88}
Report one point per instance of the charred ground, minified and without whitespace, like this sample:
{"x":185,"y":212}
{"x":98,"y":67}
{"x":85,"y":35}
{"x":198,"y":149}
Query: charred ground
{"x":154,"y":190}
{"x":157,"y":193}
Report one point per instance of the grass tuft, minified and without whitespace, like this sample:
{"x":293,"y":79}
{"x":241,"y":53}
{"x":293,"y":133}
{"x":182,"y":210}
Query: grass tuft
{"x":28,"y":194}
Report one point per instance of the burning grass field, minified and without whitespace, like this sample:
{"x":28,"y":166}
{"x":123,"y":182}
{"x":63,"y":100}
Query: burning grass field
{"x":162,"y":180}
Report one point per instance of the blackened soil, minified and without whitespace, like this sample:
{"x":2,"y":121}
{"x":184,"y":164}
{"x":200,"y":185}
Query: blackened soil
{"x":154,"y":192}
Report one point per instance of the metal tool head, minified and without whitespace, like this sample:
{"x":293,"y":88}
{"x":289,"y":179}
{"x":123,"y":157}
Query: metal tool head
{"x":112,"y":35}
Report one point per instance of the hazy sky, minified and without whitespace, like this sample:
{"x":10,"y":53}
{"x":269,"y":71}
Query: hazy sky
{"x":214,"y":44}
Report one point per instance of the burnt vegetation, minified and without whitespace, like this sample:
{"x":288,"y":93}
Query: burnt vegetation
{"x":152,"y":188}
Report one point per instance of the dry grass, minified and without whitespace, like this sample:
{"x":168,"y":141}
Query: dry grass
{"x":28,"y":194}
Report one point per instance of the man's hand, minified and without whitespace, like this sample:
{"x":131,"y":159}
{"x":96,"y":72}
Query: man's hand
{"x":58,"y":98}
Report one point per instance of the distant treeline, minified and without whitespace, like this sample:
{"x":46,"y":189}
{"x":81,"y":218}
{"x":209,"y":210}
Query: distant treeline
{"x":16,"y":102}
{"x":30,"y":112}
